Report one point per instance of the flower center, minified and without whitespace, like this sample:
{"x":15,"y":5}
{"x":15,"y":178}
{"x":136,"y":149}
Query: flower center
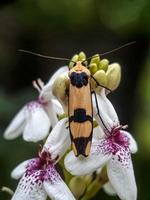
{"x":117,"y":140}
{"x":42,"y":167}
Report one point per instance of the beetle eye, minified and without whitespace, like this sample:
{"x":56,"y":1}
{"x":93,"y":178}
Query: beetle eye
{"x":84,"y":63}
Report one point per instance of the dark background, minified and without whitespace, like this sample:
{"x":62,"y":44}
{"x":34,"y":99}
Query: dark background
{"x":63,"y":28}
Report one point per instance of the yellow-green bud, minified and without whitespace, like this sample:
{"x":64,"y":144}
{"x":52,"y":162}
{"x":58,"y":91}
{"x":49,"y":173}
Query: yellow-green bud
{"x":95,"y":59}
{"x":74,"y":59}
{"x":113,"y":76}
{"x":103,"y":64}
{"x":93,"y":68}
{"x":77,"y":186}
{"x":96,"y":185}
{"x":92,"y":189}
{"x":60,"y":88}
{"x":88,"y":179}
{"x":82,"y":56}
{"x":100,"y":77}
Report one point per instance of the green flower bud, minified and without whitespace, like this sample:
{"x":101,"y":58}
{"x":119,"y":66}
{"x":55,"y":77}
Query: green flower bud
{"x":60,"y":88}
{"x":82,"y":56}
{"x":113,"y":76}
{"x":88,"y":179}
{"x":100,"y":77}
{"x":74,"y":59}
{"x":92,"y":189}
{"x":96,"y":185}
{"x":103,"y":64}
{"x":95,"y":59}
{"x":93,"y":68}
{"x":77,"y":186}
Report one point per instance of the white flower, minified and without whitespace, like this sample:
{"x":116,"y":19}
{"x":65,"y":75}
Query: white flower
{"x":39,"y":176}
{"x":36,"y":117}
{"x":114,"y":151}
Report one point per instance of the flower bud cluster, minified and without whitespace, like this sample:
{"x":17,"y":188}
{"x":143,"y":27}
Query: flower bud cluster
{"x":103,"y":73}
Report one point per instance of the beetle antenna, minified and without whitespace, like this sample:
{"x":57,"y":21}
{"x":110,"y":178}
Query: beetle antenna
{"x":44,"y":56}
{"x":114,"y":50}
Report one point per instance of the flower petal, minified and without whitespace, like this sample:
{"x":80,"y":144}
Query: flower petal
{"x":20,"y":169}
{"x":58,"y":141}
{"x":108,"y":117}
{"x":98,"y":132}
{"x":121,"y":176}
{"x":53,"y":108}
{"x":58,"y":190}
{"x":46,"y":92}
{"x":38,"y":123}
{"x":132,"y":143}
{"x":108,"y":188}
{"x":30,"y":188}
{"x":57,"y":107}
{"x":86,"y":165}
{"x":60,"y":71}
{"x":16,"y":126}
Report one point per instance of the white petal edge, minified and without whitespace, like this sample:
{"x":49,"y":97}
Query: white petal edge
{"x":16,"y":126}
{"x":37,"y":125}
{"x":108,"y":116}
{"x":58,"y":141}
{"x":20,"y":169}
{"x":122,"y":178}
{"x":109,"y":108}
{"x":52,"y":108}
{"x":60,"y":71}
{"x":58,"y":190}
{"x":30,"y":189}
{"x":132,"y":143}
{"x":98,"y":132}
{"x":83,"y":166}
{"x":57,"y":107}
{"x":46,"y":93}
{"x":108,"y":188}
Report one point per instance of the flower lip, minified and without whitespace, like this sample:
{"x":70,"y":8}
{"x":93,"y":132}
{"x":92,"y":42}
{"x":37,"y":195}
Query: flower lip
{"x":42,"y":163}
{"x":115,"y":141}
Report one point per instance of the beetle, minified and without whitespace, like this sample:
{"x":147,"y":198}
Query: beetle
{"x":80,"y":109}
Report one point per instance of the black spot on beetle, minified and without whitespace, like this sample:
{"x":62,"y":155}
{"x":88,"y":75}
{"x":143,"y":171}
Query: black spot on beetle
{"x":79,"y":79}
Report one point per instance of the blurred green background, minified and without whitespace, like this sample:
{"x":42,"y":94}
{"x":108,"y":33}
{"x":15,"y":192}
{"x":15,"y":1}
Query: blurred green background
{"x":63,"y":28}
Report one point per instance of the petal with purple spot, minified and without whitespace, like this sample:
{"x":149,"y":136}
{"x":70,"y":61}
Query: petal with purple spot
{"x":30,"y":187}
{"x":86,"y":165}
{"x":121,"y":175}
{"x":20,"y":169}
{"x":132,"y":143}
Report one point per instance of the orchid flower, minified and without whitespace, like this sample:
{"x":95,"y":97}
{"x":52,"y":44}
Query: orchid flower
{"x":39,"y":177}
{"x":36,"y":117}
{"x":113,"y":150}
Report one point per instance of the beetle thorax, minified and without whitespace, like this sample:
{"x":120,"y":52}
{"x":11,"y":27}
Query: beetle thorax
{"x":78,"y":68}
